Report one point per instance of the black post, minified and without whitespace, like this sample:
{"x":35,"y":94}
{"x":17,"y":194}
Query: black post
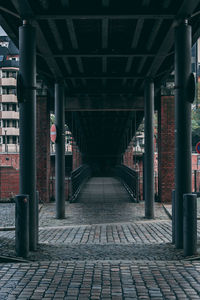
{"x":37,"y":217}
{"x":60,"y":151}
{"x":189,"y":224}
{"x":183,"y":172}
{"x":173,"y":217}
{"x":195,"y":181}
{"x":149,"y":149}
{"x":27,"y":121}
{"x":22,"y":225}
{"x":143,"y":172}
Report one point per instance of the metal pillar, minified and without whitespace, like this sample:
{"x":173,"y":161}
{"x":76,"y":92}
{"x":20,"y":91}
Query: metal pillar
{"x":173,"y":217}
{"x":189,"y":224}
{"x":27,"y":121}
{"x":149,"y":149}
{"x":183,"y":182}
{"x":60,"y":151}
{"x":22,"y":225}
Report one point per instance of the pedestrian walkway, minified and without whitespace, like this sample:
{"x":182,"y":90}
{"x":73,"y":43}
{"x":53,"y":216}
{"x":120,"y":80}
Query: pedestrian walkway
{"x":103,"y":249}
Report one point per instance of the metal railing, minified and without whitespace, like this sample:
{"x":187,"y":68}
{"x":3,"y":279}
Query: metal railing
{"x":78,"y":178}
{"x":130,"y":179}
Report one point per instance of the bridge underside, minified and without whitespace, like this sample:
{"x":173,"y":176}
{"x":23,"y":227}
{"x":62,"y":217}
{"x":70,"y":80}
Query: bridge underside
{"x":102,"y":51}
{"x":105,"y":61}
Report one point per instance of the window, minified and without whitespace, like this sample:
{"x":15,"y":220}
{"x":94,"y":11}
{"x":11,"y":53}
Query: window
{"x":1,"y":123}
{"x":14,"y":139}
{"x":5,"y":108}
{"x":1,"y":57}
{"x":1,"y":107}
{"x":4,"y":44}
{"x":1,"y":140}
{"x":198,"y":160}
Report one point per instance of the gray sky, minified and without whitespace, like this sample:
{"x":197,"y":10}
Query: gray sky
{"x":2,"y":32}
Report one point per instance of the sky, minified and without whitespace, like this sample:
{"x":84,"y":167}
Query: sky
{"x":2,"y":32}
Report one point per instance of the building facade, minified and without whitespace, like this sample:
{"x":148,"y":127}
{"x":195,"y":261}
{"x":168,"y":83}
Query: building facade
{"x":9,"y":110}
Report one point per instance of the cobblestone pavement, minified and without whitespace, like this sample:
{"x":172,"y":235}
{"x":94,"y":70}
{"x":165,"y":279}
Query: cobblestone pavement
{"x":104,"y":249}
{"x":101,"y":280}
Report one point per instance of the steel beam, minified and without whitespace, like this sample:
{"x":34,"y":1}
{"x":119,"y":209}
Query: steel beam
{"x":60,"y":151}
{"x":27,"y":121}
{"x":182,"y":124}
{"x":93,"y":16}
{"x":149,"y":148}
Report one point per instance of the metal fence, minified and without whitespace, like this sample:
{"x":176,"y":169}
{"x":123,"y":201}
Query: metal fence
{"x":78,"y":178}
{"x":130,"y":178}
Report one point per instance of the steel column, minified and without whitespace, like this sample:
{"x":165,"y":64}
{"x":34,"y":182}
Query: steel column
{"x":189,"y":224}
{"x":183,"y":182}
{"x":60,"y":151}
{"x":27,"y":121}
{"x":149,"y":149}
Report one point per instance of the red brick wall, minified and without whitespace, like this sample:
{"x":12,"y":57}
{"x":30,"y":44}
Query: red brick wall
{"x":9,"y":182}
{"x":10,"y":159}
{"x":166,"y":148}
{"x":76,"y":156}
{"x":43,"y":148}
{"x":128,"y":156}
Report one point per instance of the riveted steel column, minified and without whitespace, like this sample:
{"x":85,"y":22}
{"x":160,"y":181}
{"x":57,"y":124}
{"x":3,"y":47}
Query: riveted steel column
{"x":149,"y":149}
{"x":183,"y":183}
{"x":60,"y":151}
{"x":27,"y":121}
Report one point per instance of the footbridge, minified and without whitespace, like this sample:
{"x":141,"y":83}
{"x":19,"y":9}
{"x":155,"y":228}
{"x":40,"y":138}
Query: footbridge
{"x":104,"y":63}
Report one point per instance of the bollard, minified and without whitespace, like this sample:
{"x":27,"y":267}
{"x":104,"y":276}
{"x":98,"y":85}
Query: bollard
{"x":189,"y":224}
{"x":173,"y":217}
{"x":37,"y":217}
{"x":22,"y":225}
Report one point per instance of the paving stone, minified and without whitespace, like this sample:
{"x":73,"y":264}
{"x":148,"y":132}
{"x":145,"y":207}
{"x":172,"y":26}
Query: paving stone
{"x":104,"y":249}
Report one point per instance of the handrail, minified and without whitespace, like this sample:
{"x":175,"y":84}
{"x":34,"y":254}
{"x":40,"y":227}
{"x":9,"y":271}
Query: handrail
{"x":130,"y":179}
{"x":78,"y":177}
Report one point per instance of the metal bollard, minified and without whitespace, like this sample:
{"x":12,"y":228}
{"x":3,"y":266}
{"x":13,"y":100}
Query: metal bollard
{"x":22,"y":225}
{"x":189,"y":224}
{"x":37,"y":217}
{"x":173,"y":217}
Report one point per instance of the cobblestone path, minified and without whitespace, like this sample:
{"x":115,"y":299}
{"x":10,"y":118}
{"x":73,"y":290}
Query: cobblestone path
{"x":103,"y":249}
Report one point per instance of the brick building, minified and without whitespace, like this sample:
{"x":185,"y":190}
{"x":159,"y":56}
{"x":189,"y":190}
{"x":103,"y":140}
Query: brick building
{"x":9,"y":112}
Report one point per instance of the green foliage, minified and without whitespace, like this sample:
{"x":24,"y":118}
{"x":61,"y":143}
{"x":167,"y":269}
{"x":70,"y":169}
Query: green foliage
{"x":196,"y":121}
{"x":52,"y":119}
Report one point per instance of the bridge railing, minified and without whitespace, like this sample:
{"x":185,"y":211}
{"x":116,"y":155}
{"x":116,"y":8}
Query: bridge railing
{"x":130,"y":179}
{"x":78,"y":178}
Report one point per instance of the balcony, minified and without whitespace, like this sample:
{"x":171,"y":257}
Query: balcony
{"x":9,"y":131}
{"x":8,"y":81}
{"x":9,"y":148}
{"x":9,"y":115}
{"x":10,"y":64}
{"x":8,"y":98}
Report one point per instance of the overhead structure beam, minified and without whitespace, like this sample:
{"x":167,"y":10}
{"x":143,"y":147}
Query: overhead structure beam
{"x":103,"y":15}
{"x":186,"y":9}
{"x":130,"y":104}
{"x":42,"y":44}
{"x":107,"y":54}
{"x":137,"y":33}
{"x":106,"y":76}
{"x":145,"y":3}
{"x":153,"y":34}
{"x":105,"y":33}
{"x":56,"y":34}
{"x":74,"y":41}
{"x":106,"y":3}
{"x":65,"y":3}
